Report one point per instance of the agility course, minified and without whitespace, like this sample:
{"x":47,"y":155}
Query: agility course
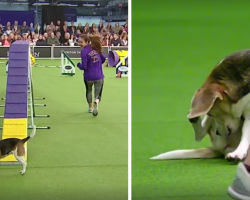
{"x":181,"y":43}
{"x":116,"y":56}
{"x":76,"y":156}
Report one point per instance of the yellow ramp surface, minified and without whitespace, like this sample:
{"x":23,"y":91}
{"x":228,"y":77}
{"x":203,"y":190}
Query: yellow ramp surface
{"x":14,"y":128}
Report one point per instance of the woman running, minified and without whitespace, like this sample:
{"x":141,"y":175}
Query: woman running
{"x":91,"y":63}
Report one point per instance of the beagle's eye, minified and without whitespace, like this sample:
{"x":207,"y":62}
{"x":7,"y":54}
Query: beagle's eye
{"x":217,"y":133}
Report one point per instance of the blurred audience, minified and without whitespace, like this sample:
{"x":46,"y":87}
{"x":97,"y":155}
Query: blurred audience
{"x":116,"y":40}
{"x":52,"y":40}
{"x":62,"y":34}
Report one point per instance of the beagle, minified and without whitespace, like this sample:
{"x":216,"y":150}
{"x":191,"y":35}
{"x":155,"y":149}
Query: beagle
{"x":225,"y":96}
{"x":16,"y":147}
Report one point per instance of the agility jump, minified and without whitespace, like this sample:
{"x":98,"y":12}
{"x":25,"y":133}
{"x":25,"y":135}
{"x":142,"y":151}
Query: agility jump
{"x":67,"y":65}
{"x":19,"y":79}
{"x":119,"y":60}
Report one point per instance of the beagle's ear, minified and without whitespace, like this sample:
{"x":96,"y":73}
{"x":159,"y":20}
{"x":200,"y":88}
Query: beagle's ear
{"x":201,"y":127}
{"x":204,"y":99}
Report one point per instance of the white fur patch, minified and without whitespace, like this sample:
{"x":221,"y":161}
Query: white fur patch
{"x":242,"y":107}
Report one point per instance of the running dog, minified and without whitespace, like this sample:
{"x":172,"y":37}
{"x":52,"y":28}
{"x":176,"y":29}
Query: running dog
{"x":221,"y":144}
{"x":225,"y":97}
{"x":16,"y":147}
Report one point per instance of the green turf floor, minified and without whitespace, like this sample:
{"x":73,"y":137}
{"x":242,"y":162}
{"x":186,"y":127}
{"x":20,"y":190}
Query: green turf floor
{"x":175,"y":45}
{"x":81,"y":156}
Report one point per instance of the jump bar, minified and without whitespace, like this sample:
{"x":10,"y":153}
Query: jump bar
{"x":29,"y":99}
{"x":40,"y":116}
{"x":33,"y":116}
{"x":48,"y":66}
{"x":45,"y":127}
{"x":10,"y":163}
{"x":37,"y":105}
{"x":30,"y":127}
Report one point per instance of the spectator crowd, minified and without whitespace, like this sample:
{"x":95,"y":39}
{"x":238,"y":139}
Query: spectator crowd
{"x":62,"y":34}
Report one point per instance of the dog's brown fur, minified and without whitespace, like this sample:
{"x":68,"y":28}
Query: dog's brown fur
{"x":228,"y":82}
{"x":11,"y":144}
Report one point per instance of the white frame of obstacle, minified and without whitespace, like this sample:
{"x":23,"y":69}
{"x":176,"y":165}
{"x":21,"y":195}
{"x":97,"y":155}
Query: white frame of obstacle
{"x":30,"y":102}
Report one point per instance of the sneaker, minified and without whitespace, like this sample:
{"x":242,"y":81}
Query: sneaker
{"x":95,"y":110}
{"x":90,"y":110}
{"x":240,"y":189}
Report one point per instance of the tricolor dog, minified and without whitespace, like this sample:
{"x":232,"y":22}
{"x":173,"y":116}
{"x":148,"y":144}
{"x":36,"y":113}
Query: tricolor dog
{"x":221,"y":145}
{"x":16,"y":147}
{"x":225,"y":98}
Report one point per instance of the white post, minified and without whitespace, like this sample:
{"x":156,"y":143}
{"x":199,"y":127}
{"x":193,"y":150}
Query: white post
{"x":61,"y":62}
{"x":31,"y":95}
{"x":7,"y":66}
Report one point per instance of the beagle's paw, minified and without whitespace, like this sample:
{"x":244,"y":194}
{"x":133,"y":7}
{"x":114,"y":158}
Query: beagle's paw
{"x":236,"y":156}
{"x":22,"y":172}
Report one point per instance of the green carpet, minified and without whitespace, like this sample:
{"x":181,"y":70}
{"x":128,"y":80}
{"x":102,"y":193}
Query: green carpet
{"x":175,"y":45}
{"x":81,"y":156}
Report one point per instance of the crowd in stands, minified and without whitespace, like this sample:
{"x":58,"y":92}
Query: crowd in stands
{"x":62,"y":34}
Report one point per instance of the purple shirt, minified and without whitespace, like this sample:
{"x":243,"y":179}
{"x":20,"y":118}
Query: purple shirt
{"x":91,"y":64}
